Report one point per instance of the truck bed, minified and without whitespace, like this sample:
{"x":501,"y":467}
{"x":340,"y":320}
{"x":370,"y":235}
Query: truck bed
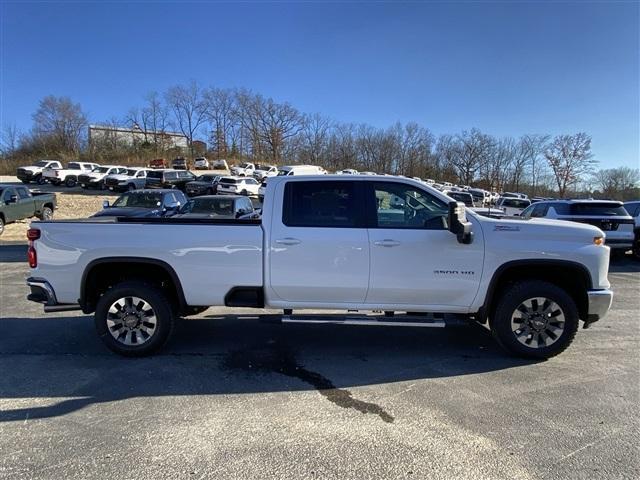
{"x":209,"y":256}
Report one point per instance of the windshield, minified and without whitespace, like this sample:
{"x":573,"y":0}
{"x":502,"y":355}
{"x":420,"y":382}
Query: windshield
{"x":282,"y":173}
{"x":462,"y":197}
{"x":131,"y":172}
{"x":41,"y":163}
{"x":206,"y":178}
{"x":515,"y":203}
{"x":210,"y":206}
{"x":599,"y":209}
{"x":229,"y":180}
{"x":100,"y":169}
{"x":139,"y":200}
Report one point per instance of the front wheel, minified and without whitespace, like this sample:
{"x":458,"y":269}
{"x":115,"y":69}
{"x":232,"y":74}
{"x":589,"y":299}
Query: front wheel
{"x":535,"y":319}
{"x":134,"y":319}
{"x":131,"y":187}
{"x":71,"y":182}
{"x":40,"y":180}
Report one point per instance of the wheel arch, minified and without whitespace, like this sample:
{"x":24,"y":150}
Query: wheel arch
{"x":101,"y":273}
{"x":571,"y":276}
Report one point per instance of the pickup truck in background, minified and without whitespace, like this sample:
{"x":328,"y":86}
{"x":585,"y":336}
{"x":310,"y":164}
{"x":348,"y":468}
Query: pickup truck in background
{"x":69,"y":175}
{"x":327,"y":242}
{"x":19,"y":203}
{"x":33,"y":173}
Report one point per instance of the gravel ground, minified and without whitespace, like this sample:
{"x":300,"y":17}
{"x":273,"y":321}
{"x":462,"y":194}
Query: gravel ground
{"x":235,"y":398}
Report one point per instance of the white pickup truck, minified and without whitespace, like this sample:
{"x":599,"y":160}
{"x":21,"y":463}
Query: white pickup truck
{"x":366,"y":243}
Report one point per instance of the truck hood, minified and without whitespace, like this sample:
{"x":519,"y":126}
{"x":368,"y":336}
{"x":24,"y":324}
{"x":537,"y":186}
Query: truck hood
{"x":121,"y":177}
{"x":535,"y":229}
{"x":31,"y":169}
{"x":128,"y":212}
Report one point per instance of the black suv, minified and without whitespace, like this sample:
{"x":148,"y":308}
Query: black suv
{"x":203,"y":185}
{"x":169,"y":179}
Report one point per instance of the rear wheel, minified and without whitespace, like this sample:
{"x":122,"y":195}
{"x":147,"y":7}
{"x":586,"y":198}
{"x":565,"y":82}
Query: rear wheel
{"x":40,"y":180}
{"x":46,"y":214}
{"x":71,"y":182}
{"x":134,"y":319}
{"x":535,"y":319}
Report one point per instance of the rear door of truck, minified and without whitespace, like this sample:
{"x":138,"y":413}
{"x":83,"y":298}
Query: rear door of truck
{"x":318,"y":246}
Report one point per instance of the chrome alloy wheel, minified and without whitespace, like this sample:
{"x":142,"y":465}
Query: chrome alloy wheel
{"x":131,"y":321}
{"x":537,"y":322}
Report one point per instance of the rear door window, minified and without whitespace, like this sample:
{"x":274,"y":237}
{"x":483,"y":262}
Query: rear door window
{"x":23,"y":192}
{"x":320,"y":204}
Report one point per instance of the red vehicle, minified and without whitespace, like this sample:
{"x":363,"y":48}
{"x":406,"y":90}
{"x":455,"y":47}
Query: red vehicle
{"x":158,"y":163}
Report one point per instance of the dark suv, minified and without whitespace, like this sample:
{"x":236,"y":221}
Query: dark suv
{"x":203,"y":185}
{"x":169,"y":179}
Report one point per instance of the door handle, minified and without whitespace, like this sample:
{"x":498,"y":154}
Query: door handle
{"x":387,"y":242}
{"x":287,"y":241}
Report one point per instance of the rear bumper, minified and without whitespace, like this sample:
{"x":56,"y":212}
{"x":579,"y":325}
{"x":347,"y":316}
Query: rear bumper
{"x":42,"y":292}
{"x":599,"y":304}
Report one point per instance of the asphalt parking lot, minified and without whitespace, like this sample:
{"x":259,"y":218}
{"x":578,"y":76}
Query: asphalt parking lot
{"x":234,"y":398}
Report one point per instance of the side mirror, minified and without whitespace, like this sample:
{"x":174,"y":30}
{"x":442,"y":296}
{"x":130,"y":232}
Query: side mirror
{"x":105,"y":204}
{"x":458,"y":224}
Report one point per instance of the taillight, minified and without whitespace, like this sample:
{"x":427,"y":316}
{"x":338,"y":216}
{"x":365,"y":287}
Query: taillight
{"x":32,"y":255}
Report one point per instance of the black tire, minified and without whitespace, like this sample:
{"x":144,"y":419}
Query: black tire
{"x":70,"y":182}
{"x":56,"y":183}
{"x":1,"y":225}
{"x":46,"y":213}
{"x":131,"y":187}
{"x":40,"y":180}
{"x":160,"y":307}
{"x":504,"y":317}
{"x":209,"y":191}
{"x":244,"y":192}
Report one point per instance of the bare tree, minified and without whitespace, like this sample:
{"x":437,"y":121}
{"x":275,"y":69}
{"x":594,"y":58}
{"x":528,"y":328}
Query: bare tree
{"x":278,"y":122}
{"x":60,"y":124}
{"x":618,"y":183}
{"x":570,"y":158}
{"x":9,"y":140}
{"x":315,"y":136}
{"x":222,"y":113}
{"x":188,"y":108}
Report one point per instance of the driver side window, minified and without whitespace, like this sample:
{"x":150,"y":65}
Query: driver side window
{"x":404,"y":206}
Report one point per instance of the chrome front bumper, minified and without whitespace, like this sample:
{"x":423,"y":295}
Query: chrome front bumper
{"x":599,"y":304}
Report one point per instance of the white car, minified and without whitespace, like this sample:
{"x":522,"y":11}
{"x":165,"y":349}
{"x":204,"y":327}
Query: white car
{"x":262,"y":189}
{"x":347,"y":171}
{"x":133,"y":179}
{"x":329,"y":243}
{"x":243,"y":170}
{"x":238,"y":186}
{"x":95,"y":178}
{"x":33,"y":173}
{"x":608,"y":215}
{"x":368,"y":173}
{"x":512,"y":206}
{"x":201,"y":163}
{"x":263,"y":171}
{"x":300,"y":170}
{"x":69,"y":175}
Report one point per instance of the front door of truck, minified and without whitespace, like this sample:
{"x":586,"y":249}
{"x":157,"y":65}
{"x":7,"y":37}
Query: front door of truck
{"x":319,"y":251}
{"x":415,"y":260}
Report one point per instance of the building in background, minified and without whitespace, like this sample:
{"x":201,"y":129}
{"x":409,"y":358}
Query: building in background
{"x":109,"y":135}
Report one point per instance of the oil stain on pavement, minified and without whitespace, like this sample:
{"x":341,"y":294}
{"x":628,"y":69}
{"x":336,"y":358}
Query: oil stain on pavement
{"x":275,"y":357}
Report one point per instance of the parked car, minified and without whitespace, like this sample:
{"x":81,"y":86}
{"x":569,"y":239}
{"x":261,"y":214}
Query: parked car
{"x":220,"y":164}
{"x":33,"y":173}
{"x":633,"y":208}
{"x":512,"y":206}
{"x":514,"y":195}
{"x":262,"y":171}
{"x":203,"y":185}
{"x":133,"y":179}
{"x":300,"y":170}
{"x":95,"y":178}
{"x":144,"y":203}
{"x":69,"y":175}
{"x":169,"y":179}
{"x":262,"y":189}
{"x":347,"y":171}
{"x":368,"y":173}
{"x":201,"y":163}
{"x":238,"y":185}
{"x":19,"y":203}
{"x":464,"y":197}
{"x":217,"y":206}
{"x":245,"y":169}
{"x":608,"y":215}
{"x":158,"y":163}
{"x":180,"y":163}
{"x":481,"y":197}
{"x":325,"y":243}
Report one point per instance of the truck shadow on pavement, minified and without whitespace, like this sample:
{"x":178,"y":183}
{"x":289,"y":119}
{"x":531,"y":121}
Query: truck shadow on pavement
{"x":63,"y":358}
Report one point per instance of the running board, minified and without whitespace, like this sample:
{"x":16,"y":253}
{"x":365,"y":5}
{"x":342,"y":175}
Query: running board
{"x":378,"y":320}
{"x":63,"y":307}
